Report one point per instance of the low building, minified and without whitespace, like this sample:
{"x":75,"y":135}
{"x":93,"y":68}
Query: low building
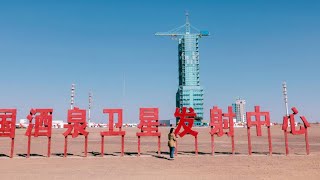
{"x":164,"y":123}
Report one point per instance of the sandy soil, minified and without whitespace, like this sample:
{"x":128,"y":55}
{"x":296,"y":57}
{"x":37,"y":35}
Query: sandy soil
{"x":150,"y":165}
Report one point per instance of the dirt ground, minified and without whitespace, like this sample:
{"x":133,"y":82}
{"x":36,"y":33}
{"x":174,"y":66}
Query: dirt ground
{"x":149,"y":165}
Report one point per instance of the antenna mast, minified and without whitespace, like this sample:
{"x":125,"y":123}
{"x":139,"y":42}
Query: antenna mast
{"x":284,"y":87}
{"x":72,"y":95}
{"x":124,"y":92}
{"x":89,"y":112}
{"x":187,"y":23}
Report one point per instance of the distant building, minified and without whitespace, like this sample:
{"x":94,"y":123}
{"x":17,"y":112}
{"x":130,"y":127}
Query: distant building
{"x":58,"y":124}
{"x":240,"y":109}
{"x":164,"y":122}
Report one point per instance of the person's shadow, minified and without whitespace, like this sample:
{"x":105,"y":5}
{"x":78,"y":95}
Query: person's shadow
{"x":161,"y":157}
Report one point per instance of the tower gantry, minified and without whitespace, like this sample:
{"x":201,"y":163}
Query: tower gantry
{"x":189,"y":93}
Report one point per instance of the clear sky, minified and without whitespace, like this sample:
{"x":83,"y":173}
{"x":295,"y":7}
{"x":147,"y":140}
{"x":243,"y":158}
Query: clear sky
{"x":45,"y":46}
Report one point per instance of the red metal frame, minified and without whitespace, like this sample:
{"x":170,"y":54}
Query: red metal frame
{"x":149,"y":123}
{"x":77,"y":123}
{"x":186,"y":121}
{"x":258,"y":123}
{"x":218,"y":124}
{"x":8,"y":125}
{"x":294,"y":131}
{"x":111,"y":132}
{"x":42,"y":126}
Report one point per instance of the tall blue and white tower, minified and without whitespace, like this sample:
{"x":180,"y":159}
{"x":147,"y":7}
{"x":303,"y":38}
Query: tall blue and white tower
{"x":189,"y":93}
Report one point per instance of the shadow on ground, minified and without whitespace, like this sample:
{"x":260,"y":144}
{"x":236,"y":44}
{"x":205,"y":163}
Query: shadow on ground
{"x":162,"y":157}
{"x":31,"y":155}
{"x":68,"y":154}
{"x":99,"y":154}
{"x":4,"y":155}
{"x":266,"y":153}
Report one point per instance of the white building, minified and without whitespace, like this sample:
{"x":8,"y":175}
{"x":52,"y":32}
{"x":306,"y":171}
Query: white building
{"x":57,"y":124}
{"x":240,"y":109}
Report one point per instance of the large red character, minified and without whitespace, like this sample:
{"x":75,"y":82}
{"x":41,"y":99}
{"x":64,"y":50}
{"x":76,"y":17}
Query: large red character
{"x":218,"y":124}
{"x":294,"y":131}
{"x":42,"y":126}
{"x":186,"y":121}
{"x":76,"y":126}
{"x":258,"y":123}
{"x":8,"y":125}
{"x":111,"y":132}
{"x":149,"y":123}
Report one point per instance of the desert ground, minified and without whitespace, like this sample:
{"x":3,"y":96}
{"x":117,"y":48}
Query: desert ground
{"x":187,"y":165}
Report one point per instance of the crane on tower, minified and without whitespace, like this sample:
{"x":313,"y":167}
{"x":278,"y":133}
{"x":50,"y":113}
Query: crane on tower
{"x":183,"y":30}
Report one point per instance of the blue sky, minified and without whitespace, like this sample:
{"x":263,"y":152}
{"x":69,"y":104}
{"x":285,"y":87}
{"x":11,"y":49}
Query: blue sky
{"x":45,"y":46}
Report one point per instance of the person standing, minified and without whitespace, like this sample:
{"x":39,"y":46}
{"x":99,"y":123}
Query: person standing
{"x":171,"y":142}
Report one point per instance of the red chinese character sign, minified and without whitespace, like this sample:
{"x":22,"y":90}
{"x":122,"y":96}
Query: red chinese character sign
{"x":186,"y":120}
{"x":8,"y":125}
{"x":294,"y":131}
{"x":40,"y":124}
{"x":149,"y":123}
{"x":219,"y":122}
{"x":76,"y":126}
{"x":112,"y":132}
{"x":261,"y":118}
